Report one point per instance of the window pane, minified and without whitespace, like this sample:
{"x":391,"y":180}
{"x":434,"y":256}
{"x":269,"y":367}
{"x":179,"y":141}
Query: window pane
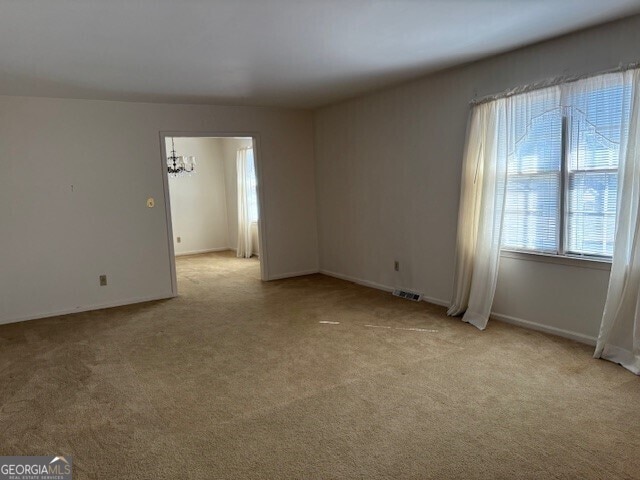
{"x":533,"y":185}
{"x":596,"y":129}
{"x":531,"y":212}
{"x":252,"y":187}
{"x":589,"y":147}
{"x":591,"y":212}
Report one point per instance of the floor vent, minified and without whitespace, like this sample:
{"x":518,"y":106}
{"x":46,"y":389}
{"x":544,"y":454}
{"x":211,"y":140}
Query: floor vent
{"x":416,"y":297}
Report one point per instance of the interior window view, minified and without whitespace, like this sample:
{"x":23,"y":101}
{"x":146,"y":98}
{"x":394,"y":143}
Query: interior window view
{"x":214,"y":206}
{"x":563,"y":171}
{"x":311,"y":239}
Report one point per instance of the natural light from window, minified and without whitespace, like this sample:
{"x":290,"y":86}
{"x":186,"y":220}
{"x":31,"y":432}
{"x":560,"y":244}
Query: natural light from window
{"x":562,"y":175}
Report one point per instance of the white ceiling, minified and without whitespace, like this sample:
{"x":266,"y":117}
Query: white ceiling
{"x":298,"y":53}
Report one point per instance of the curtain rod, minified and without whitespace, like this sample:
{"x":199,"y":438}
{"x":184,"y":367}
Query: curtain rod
{"x":550,"y":83}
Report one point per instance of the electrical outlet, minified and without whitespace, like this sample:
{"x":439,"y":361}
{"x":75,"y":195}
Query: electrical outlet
{"x":396,"y":266}
{"x":103,"y":280}
{"x":178,"y":239}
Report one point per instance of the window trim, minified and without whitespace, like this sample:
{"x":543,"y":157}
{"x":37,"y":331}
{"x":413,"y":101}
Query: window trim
{"x":585,"y":261}
{"x":564,"y":185}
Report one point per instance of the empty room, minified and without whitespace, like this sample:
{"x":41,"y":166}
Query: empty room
{"x":284,"y":239}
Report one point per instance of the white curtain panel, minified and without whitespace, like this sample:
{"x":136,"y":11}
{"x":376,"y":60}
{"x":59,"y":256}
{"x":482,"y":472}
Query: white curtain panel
{"x":496,"y":128}
{"x":480,"y":214}
{"x":619,"y":338}
{"x":469,"y":209}
{"x":245,"y":247}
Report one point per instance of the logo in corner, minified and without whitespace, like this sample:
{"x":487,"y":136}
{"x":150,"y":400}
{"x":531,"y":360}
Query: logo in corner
{"x":36,"y":468}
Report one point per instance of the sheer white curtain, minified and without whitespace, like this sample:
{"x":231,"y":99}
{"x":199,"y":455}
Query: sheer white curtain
{"x":480,"y":214}
{"x":245,"y":199}
{"x":619,"y":338}
{"x":497,"y":131}
{"x":513,"y":141}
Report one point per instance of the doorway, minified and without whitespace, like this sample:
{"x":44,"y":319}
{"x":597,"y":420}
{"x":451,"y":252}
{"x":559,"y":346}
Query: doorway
{"x":213,"y":201}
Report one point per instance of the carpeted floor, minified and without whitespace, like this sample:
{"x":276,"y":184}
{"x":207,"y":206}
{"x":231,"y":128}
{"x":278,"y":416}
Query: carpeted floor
{"x":242,"y":379}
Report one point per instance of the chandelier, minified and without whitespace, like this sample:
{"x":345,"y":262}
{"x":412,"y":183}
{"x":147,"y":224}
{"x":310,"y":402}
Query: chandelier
{"x":178,"y":166}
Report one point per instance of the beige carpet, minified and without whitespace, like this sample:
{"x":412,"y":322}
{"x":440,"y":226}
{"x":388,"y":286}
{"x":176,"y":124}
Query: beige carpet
{"x":241,"y":379}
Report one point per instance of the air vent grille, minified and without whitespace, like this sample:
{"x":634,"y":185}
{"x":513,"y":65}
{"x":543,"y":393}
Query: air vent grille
{"x":416,"y":297}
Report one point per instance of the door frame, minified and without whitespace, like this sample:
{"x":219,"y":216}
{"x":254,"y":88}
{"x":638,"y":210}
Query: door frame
{"x":257,"y":158}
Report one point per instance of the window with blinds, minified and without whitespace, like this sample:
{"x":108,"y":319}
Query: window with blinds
{"x":562,"y":175}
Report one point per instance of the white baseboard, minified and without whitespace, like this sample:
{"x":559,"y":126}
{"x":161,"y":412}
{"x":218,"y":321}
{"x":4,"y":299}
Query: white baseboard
{"x":206,"y":250}
{"x":380,"y":286}
{"x":560,"y":332}
{"x":578,"y":337}
{"x":280,"y":276}
{"x":86,"y":308}
{"x":359,"y":281}
{"x":435,"y":301}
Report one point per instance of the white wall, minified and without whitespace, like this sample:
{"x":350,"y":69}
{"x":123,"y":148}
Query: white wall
{"x":388,"y":178}
{"x":199,"y":201}
{"x":75,"y":178}
{"x":255,"y":239}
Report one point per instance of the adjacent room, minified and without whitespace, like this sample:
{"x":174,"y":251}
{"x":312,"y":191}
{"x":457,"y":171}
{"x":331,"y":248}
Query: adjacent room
{"x":213,"y":192}
{"x":283,"y":239}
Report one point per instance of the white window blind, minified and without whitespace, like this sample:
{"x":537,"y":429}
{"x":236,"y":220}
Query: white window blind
{"x":533,"y":186}
{"x":593,"y":145}
{"x":563,"y":171}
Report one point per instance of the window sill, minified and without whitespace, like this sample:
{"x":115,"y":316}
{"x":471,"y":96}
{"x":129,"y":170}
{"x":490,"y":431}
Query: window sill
{"x":593,"y":263}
